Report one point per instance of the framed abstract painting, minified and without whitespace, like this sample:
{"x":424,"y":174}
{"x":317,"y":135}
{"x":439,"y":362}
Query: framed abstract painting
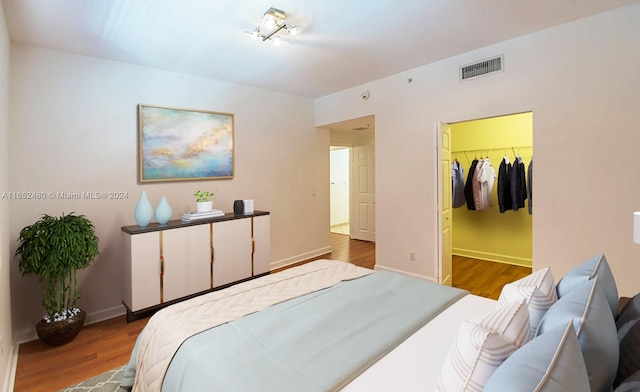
{"x":182,"y":144}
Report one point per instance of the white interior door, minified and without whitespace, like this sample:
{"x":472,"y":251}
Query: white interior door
{"x":362,"y":222}
{"x":444,"y":205}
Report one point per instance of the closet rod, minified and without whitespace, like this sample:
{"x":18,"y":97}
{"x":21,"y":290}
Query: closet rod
{"x":492,"y":149}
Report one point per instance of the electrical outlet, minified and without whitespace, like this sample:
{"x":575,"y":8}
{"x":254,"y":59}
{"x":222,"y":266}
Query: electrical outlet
{"x":412,"y":256}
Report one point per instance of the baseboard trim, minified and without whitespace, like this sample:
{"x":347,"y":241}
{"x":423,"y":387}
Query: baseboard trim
{"x":10,"y":372}
{"x":301,"y":257}
{"x":105,"y":314}
{"x":30,"y":334}
{"x":423,"y":277}
{"x":498,"y":258}
{"x":24,"y":336}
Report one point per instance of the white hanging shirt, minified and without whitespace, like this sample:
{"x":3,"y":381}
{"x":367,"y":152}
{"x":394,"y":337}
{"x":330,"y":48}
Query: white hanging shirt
{"x":487,"y":177}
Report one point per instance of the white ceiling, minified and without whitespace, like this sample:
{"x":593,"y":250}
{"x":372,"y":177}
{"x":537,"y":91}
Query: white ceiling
{"x":346,"y":42}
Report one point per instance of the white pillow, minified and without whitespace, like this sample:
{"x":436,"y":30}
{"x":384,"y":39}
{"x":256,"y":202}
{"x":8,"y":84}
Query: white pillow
{"x":482,"y":345}
{"x":538,"y":289}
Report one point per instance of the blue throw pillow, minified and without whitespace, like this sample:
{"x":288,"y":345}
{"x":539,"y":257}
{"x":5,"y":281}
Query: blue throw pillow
{"x":595,"y":266}
{"x":595,"y":327}
{"x":550,"y":362}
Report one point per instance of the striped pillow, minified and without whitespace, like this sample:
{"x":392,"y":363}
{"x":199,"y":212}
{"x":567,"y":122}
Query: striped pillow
{"x":537,"y":289}
{"x":482,"y":345}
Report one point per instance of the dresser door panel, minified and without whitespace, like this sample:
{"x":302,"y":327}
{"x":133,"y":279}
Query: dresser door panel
{"x":145,"y":270}
{"x":199,"y":251}
{"x":261,"y":252}
{"x":175,"y":253}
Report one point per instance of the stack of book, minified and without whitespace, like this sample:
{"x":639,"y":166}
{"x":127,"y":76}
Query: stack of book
{"x":192,"y":216}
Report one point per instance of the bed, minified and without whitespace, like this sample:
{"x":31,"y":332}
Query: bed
{"x":329,"y":325}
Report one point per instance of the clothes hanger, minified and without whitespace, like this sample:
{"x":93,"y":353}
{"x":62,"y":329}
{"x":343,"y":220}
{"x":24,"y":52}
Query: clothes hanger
{"x":517,"y":156}
{"x":505,"y":158}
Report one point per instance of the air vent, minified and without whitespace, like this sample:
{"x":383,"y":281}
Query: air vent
{"x":482,"y":68}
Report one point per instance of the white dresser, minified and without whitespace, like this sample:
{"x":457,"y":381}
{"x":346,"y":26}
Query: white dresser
{"x":165,"y":264}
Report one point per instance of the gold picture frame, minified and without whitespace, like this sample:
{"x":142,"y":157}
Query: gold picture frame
{"x":177,"y":144}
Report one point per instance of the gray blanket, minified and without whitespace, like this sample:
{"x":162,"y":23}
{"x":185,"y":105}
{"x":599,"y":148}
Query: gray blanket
{"x":317,"y":342}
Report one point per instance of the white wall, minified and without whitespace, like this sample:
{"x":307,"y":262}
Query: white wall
{"x":74,"y":129}
{"x":579,"y":81}
{"x":6,"y":347}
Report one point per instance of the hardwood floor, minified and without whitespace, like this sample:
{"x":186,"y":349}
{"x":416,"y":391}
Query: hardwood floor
{"x":484,"y":278}
{"x":103,"y":346}
{"x":99,"y":347}
{"x":360,"y":253}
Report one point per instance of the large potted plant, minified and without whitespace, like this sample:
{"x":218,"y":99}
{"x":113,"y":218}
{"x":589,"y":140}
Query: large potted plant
{"x":54,"y":249}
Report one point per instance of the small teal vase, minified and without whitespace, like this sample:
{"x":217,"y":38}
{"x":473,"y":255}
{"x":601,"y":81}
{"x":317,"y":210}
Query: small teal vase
{"x":163,"y":211}
{"x":144,"y":211}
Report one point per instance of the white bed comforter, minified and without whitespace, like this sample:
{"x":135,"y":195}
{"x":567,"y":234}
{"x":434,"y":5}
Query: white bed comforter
{"x":415,"y":364}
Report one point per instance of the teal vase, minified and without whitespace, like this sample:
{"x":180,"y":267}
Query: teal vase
{"x":163,"y":211}
{"x":144,"y":211}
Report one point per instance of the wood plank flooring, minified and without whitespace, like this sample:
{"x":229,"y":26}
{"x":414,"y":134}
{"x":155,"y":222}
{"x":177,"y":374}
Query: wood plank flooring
{"x":103,"y":346}
{"x":484,"y":278}
{"x":99,"y":347}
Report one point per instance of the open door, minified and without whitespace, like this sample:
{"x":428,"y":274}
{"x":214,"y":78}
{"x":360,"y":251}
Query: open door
{"x":444,"y":204}
{"x":363,"y":225}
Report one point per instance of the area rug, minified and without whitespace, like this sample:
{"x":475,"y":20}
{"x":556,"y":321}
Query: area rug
{"x":105,"y":382}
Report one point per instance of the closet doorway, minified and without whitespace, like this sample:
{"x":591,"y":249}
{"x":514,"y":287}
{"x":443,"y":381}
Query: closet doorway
{"x":490,"y":233}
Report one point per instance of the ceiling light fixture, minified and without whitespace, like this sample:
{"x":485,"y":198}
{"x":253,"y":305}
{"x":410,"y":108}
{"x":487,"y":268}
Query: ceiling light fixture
{"x":272,"y":25}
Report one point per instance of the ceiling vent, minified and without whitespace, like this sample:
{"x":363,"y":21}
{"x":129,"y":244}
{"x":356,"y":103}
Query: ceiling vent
{"x":482,"y":68}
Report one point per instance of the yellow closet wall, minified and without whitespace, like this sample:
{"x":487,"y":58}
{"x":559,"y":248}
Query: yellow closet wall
{"x":491,"y":235}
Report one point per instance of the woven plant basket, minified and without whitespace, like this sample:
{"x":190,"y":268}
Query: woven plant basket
{"x":62,"y":332}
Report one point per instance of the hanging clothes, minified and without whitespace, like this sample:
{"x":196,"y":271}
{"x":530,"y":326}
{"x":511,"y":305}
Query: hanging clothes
{"x":529,"y":185}
{"x":478,"y":202}
{"x":468,"y":186}
{"x":457,"y":184}
{"x":518,"y":184}
{"x":504,"y":185}
{"x":486,"y":177}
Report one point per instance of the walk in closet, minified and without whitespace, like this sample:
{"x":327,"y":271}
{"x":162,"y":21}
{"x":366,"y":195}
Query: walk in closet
{"x":494,"y":220}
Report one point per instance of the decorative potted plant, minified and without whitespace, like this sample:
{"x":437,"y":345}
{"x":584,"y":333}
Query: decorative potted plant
{"x":204,"y":200}
{"x":54,"y":249}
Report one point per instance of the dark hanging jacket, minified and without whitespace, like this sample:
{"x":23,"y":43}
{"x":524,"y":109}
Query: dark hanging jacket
{"x":504,"y":186}
{"x":518,"y":185}
{"x":530,"y":185}
{"x":468,"y":186}
{"x":457,"y":185}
